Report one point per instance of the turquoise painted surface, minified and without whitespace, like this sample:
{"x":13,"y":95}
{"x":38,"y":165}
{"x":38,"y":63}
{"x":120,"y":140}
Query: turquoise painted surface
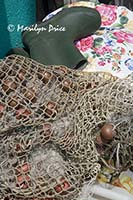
{"x":13,"y":14}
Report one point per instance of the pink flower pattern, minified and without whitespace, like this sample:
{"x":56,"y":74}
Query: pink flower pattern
{"x":85,"y":43}
{"x":101,"y":63}
{"x":103,"y":49}
{"x":123,"y":36}
{"x":108,"y":14}
{"x":110,"y":46}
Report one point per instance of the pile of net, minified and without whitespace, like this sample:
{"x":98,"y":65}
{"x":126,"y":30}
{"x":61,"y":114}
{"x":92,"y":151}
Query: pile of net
{"x":50,"y":117}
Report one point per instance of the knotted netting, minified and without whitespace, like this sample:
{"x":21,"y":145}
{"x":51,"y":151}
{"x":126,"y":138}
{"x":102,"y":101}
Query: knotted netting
{"x":50,"y":117}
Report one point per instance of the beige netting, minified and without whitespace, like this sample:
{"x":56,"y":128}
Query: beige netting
{"x":49,"y":119}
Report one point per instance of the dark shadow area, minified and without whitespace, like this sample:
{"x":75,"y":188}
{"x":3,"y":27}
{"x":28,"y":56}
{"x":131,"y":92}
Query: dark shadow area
{"x":5,"y":44}
{"x":105,"y":1}
{"x":44,"y":7}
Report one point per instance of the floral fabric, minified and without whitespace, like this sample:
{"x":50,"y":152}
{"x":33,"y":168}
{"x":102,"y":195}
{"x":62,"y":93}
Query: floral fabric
{"x":110,"y":49}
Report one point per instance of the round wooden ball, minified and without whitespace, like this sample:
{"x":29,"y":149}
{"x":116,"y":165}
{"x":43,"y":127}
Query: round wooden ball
{"x":107,"y":132}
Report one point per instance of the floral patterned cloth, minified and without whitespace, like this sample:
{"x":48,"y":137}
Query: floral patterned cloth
{"x":110,"y":49}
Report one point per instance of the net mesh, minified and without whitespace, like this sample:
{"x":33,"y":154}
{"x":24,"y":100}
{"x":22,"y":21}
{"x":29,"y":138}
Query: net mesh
{"x":50,"y":117}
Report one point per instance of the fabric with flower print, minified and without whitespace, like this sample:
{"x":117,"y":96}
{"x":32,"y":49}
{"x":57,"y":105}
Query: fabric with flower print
{"x":108,"y":14}
{"x":122,"y":36}
{"x":110,"y":49}
{"x":85,"y":43}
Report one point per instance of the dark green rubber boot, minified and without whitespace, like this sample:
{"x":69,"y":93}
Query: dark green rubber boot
{"x":52,"y":42}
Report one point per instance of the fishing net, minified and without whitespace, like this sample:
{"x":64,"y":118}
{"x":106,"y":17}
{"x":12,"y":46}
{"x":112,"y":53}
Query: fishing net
{"x":50,"y":117}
